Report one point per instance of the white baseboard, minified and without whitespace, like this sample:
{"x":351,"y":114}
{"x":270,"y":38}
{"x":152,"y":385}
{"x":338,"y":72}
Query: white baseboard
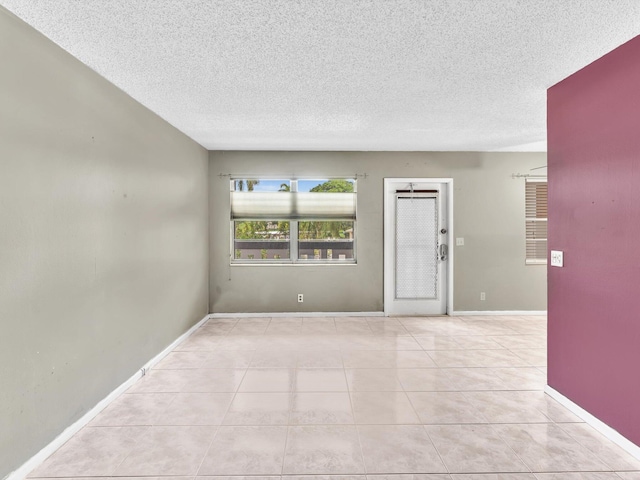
{"x":369,"y":314}
{"x":297,"y":314}
{"x":74,"y":428}
{"x":497,"y":312}
{"x":596,"y":423}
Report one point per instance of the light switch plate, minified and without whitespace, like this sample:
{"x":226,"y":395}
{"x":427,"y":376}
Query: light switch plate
{"x":459,"y":241}
{"x":556,"y":258}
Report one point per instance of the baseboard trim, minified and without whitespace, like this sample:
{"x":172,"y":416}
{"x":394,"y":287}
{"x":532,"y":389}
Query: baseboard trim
{"x":297,"y":314}
{"x":74,"y":428}
{"x":368,"y":314}
{"x":460,"y":313}
{"x":596,"y":423}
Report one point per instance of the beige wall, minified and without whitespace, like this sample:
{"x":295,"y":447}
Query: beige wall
{"x":488,"y":213}
{"x":103,"y":239}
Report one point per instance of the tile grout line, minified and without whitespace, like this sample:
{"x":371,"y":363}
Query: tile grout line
{"x":353,"y":414}
{"x":215,"y":435}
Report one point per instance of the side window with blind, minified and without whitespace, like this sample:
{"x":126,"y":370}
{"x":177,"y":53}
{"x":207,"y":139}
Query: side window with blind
{"x":293,"y":221}
{"x":536,"y":221}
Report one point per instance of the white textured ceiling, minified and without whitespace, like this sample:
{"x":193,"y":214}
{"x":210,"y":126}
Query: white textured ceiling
{"x":340,"y":74}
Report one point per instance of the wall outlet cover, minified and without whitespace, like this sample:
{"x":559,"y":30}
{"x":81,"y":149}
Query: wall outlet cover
{"x":459,"y":242}
{"x":557,"y":259}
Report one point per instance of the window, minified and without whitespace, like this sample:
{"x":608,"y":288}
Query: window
{"x":536,"y":221}
{"x":293,"y":221}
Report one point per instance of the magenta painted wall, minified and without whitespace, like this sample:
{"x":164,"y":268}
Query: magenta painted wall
{"x":594,"y":217}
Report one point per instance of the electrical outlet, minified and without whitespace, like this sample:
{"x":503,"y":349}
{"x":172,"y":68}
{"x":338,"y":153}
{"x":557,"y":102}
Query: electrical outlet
{"x":300,"y":298}
{"x":459,"y":242}
{"x":557,"y":259}
{"x":483,"y":296}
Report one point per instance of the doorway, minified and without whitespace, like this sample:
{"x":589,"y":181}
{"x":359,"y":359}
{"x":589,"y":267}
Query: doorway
{"x":418,"y":273}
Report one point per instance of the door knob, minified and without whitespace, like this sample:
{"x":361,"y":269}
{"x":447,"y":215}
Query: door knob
{"x":444,"y":251}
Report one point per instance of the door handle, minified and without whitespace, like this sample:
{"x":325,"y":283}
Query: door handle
{"x":444,"y":251}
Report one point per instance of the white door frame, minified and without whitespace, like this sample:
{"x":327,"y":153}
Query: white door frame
{"x":389,"y":236}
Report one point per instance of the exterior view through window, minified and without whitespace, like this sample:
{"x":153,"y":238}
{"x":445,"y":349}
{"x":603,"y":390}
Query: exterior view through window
{"x":293,"y":221}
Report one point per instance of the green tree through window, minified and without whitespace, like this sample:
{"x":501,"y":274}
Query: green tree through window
{"x":261,"y":230}
{"x":322,"y":230}
{"x":240,"y":184}
{"x":334,"y":186}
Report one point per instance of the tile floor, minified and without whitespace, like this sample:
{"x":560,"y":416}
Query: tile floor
{"x":386,"y":398}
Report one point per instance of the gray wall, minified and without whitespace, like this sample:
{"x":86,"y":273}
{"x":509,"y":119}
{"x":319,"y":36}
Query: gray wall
{"x":103,"y":239}
{"x":488,"y":211}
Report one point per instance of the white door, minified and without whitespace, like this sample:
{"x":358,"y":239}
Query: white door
{"x":416,"y":237}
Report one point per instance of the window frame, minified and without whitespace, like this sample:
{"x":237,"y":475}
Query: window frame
{"x":532,"y":203}
{"x":294,"y":240}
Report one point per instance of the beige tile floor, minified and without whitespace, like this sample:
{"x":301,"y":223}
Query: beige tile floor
{"x":386,"y":398}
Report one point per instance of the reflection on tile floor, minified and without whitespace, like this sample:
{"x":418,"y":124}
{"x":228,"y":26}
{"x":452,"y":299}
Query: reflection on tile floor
{"x":357,"y":398}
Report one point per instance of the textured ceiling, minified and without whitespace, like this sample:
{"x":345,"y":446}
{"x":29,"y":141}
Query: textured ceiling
{"x":340,"y":74}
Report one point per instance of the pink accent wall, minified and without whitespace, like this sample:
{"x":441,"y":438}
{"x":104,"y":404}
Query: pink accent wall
{"x":594,"y":217}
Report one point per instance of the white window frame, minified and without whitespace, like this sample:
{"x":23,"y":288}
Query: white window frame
{"x":531,"y":260}
{"x":293,"y":231}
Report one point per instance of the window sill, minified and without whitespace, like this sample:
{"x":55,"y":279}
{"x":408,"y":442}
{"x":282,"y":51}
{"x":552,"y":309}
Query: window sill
{"x":294,"y":264}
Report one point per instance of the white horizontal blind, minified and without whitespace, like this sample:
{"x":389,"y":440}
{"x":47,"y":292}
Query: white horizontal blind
{"x":536,"y":221}
{"x":416,"y":248}
{"x":293,"y":206}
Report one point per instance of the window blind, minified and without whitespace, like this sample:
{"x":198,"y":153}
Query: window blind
{"x":536,"y":212}
{"x":416,"y":248}
{"x":293,"y":206}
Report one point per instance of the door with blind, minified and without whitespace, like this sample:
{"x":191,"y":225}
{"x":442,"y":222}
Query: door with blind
{"x":417,"y":255}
